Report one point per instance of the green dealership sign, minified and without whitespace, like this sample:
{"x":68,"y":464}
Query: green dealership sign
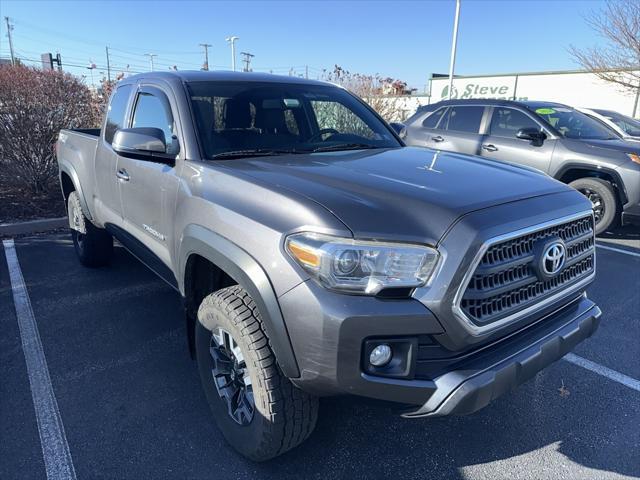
{"x":475,"y":90}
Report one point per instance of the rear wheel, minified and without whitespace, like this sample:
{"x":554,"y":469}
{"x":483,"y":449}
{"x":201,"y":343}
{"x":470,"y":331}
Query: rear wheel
{"x":259,"y":411}
{"x":603,"y":198}
{"x":93,"y":245}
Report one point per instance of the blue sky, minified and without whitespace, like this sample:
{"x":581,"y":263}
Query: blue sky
{"x":406,"y":40}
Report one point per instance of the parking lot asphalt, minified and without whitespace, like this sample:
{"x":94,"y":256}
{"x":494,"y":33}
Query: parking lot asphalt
{"x":132,"y":407}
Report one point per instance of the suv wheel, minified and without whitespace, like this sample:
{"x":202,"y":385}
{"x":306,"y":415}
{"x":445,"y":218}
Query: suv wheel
{"x":603,"y":198}
{"x":259,"y":411}
{"x":93,"y":245}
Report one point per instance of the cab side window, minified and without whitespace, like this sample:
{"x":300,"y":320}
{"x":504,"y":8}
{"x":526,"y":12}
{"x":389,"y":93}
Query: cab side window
{"x":432,"y":120}
{"x":463,"y":119}
{"x":116,"y":112}
{"x":505,"y":122}
{"x":154,"y":111}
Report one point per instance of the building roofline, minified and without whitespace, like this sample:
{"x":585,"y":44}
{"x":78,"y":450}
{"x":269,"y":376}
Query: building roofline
{"x":438,"y":76}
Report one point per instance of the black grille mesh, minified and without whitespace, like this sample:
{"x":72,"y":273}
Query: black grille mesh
{"x":505,"y":280}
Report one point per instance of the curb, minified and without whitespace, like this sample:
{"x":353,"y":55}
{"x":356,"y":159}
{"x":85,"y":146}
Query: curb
{"x":33,"y":226}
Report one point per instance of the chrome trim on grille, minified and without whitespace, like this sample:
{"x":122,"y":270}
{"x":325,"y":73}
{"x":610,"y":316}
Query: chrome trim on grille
{"x":479,"y":330}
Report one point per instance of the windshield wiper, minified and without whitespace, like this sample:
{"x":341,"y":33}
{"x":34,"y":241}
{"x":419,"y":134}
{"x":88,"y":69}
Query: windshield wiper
{"x":256,"y":152}
{"x":344,"y":146}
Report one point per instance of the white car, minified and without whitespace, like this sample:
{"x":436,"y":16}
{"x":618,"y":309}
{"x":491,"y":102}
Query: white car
{"x":628,"y":128}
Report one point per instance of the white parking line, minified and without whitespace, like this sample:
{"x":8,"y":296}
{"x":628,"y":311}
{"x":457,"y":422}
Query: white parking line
{"x":604,"y":371}
{"x":619,"y":250}
{"x":55,"y":449}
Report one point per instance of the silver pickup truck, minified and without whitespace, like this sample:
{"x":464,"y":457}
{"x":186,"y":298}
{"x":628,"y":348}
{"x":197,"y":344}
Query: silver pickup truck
{"x":317,"y":255}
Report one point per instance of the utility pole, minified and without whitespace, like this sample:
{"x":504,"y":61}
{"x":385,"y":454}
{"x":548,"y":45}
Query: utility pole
{"x":247,"y":61}
{"x":151,"y":55}
{"x":206,"y":55}
{"x":9,"y":29}
{"x":306,"y":71}
{"x":454,"y":46}
{"x":108,"y":66}
{"x":232,"y":40}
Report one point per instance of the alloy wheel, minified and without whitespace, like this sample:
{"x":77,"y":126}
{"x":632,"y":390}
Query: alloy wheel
{"x":596,"y":201}
{"x":231,"y":377}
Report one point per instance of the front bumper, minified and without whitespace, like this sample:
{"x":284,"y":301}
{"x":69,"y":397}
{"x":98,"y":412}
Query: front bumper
{"x":329,"y":336}
{"x":474,"y":385}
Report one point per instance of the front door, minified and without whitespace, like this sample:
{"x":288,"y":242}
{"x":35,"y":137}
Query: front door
{"x":108,"y":202}
{"x":422,"y":133}
{"x":149,"y":188}
{"x":459,"y":130}
{"x":501,"y":142}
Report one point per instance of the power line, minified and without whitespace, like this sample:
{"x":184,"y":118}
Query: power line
{"x":127,"y":57}
{"x":74,"y":65}
{"x":83,"y":40}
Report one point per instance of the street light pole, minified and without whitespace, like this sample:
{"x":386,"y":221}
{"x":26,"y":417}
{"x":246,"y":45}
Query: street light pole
{"x":232,"y":40}
{"x":454,"y":45}
{"x":151,"y":55}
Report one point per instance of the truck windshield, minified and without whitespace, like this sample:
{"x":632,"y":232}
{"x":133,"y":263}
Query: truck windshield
{"x":262,"y":118}
{"x":572,"y":124}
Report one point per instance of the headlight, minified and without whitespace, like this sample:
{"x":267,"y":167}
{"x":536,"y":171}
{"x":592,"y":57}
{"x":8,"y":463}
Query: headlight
{"x":634,"y":157}
{"x":362,"y":267}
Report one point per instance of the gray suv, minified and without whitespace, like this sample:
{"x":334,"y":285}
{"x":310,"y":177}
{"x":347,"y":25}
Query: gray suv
{"x":553,"y":138}
{"x":317,"y":255}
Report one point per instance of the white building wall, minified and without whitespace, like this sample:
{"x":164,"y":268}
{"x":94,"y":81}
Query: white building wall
{"x":577,"y":89}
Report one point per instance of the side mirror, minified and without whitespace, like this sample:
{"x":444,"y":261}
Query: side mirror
{"x":399,"y":128}
{"x":531,"y":134}
{"x":142,"y":144}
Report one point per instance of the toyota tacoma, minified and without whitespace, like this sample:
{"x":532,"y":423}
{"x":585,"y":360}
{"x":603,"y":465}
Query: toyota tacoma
{"x":318,"y":255}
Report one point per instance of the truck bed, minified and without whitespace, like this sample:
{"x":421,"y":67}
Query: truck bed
{"x":94,"y":132}
{"x":75,"y":151}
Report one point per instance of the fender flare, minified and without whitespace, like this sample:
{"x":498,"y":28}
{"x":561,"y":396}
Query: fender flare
{"x":66,"y":167}
{"x":245,"y":270}
{"x":596,"y":171}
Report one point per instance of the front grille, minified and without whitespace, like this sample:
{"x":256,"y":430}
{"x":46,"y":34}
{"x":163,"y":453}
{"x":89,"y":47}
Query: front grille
{"x":505,"y":280}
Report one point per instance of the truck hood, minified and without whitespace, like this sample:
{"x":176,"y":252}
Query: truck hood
{"x":411,"y":194}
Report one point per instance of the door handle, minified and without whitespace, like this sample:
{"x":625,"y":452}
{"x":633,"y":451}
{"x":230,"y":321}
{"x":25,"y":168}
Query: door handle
{"x":437,"y":138}
{"x":489,"y":147}
{"x":122,"y":175}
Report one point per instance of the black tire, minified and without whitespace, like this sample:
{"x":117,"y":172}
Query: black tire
{"x":94,"y":247}
{"x":603,"y":199}
{"x":283,"y":416}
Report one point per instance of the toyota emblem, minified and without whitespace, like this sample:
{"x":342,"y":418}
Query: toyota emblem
{"x":553,"y":258}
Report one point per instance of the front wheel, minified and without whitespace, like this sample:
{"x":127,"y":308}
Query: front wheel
{"x":603,"y":199}
{"x":259,"y":411}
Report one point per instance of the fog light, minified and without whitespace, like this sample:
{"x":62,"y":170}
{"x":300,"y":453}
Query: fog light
{"x":380,"y":355}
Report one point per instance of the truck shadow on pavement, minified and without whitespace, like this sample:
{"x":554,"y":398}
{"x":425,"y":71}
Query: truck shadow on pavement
{"x":628,"y":233}
{"x":133,"y":407}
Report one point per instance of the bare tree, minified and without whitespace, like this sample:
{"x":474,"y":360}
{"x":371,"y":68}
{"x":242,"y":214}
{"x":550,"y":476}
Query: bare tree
{"x":619,"y":61}
{"x":379,"y":92}
{"x":34,"y":106}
